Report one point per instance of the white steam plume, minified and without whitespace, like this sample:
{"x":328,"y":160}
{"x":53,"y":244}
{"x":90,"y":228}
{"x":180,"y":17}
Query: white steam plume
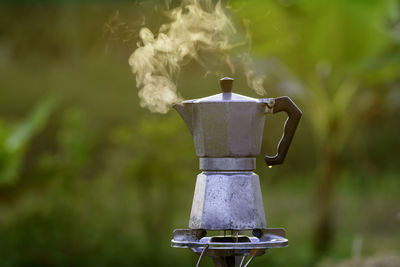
{"x":194,"y":27}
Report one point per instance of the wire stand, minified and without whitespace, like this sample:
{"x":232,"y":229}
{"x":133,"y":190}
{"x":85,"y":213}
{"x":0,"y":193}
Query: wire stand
{"x":229,"y":250}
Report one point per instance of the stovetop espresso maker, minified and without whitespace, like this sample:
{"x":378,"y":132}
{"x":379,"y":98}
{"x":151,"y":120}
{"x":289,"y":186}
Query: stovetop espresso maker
{"x":227,"y":131}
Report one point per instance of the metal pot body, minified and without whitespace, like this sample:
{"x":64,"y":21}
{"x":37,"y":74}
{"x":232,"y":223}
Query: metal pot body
{"x":228,"y":129}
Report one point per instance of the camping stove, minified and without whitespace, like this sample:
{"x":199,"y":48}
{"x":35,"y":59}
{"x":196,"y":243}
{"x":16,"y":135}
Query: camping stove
{"x":227,"y":131}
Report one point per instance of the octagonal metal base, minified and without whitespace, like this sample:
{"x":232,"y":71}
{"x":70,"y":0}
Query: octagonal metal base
{"x":227,"y":200}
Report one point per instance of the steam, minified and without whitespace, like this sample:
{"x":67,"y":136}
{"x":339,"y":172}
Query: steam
{"x":194,"y":28}
{"x":254,"y":81}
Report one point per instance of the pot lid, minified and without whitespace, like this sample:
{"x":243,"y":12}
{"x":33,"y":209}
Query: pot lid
{"x":226,"y":95}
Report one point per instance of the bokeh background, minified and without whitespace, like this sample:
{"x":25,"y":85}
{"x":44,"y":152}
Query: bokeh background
{"x":89,"y":178}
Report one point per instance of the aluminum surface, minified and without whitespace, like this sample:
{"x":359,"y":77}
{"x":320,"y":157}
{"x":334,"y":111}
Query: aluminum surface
{"x":227,"y":200}
{"x":227,"y":164}
{"x":226,"y":124}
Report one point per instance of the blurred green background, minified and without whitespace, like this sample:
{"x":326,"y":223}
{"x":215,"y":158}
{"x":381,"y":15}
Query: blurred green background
{"x":88,"y":178}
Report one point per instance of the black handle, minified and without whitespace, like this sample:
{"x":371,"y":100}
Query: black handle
{"x":284,"y":103}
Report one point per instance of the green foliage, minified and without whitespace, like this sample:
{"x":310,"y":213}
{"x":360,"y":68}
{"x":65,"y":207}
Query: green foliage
{"x":14,"y":140}
{"x":104,"y":182}
{"x":329,"y":46}
{"x":117,"y":218}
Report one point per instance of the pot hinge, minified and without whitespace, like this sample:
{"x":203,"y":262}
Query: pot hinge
{"x":270,"y":103}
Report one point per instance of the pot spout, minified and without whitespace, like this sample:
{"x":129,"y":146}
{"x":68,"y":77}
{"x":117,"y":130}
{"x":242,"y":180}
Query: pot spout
{"x":186,"y":112}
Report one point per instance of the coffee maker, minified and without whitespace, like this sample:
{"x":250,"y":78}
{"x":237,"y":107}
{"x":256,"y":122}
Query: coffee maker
{"x":227,"y":130}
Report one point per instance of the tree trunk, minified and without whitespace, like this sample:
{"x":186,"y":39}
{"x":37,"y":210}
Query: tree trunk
{"x":325,"y":201}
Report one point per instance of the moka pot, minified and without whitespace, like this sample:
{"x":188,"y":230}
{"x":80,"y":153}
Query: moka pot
{"x":227,"y":131}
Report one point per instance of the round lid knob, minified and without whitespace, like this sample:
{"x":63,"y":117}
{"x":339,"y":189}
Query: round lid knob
{"x":226,"y":84}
